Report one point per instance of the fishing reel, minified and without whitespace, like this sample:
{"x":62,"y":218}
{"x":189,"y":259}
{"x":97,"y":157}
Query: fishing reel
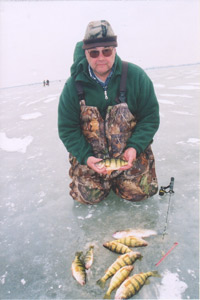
{"x":167,"y":189}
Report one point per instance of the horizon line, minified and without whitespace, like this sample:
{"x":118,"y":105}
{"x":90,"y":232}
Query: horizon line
{"x":148,"y":68}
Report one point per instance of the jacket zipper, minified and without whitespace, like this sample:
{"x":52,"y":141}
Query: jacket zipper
{"x":106,"y":95}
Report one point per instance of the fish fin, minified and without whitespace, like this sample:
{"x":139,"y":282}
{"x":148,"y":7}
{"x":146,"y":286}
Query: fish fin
{"x":155,"y":274}
{"x":101,"y":283}
{"x":87,"y":267}
{"x":107,"y":296}
{"x":140,"y":258}
{"x":147,"y":281}
{"x":79,"y":253}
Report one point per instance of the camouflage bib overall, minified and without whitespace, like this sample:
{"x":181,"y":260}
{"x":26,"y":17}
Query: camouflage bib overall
{"x":108,"y":139}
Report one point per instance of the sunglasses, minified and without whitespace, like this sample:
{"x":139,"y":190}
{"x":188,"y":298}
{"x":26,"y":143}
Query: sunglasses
{"x":95,"y":53}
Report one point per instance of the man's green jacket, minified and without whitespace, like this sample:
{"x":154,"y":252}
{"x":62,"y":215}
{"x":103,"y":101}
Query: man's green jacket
{"x":141,"y":100}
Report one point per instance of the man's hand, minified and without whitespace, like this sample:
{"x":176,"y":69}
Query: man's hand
{"x":129,"y":155}
{"x":91,"y":162}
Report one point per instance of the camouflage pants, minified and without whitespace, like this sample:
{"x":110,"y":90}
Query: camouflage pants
{"x":135,"y":184}
{"x":108,"y":138}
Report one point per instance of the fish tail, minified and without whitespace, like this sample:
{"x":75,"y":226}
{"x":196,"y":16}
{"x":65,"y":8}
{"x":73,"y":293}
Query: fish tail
{"x":90,"y":248}
{"x":107,"y":296}
{"x":155,"y":274}
{"x":101,"y":283}
{"x":78,"y":253}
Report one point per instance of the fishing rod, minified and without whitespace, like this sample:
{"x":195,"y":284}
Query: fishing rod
{"x":167,"y":190}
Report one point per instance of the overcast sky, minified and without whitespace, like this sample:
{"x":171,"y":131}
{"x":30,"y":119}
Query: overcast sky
{"x":38,"y":37}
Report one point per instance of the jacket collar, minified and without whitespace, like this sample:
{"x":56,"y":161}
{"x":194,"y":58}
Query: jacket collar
{"x":83,"y":73}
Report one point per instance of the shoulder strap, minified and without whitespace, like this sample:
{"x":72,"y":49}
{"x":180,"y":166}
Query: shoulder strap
{"x":122,"y":88}
{"x":80,"y":91}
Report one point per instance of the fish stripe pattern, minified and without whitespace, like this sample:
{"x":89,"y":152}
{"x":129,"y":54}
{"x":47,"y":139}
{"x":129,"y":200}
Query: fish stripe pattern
{"x":117,"y":247}
{"x":88,"y":260}
{"x":133,"y":284}
{"x":78,"y":269}
{"x":117,"y":279}
{"x":132,"y":241}
{"x":112,"y":164}
{"x":125,"y":259}
{"x":141,"y":279}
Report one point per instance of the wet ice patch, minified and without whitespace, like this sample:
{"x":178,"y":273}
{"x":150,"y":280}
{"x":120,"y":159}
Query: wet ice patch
{"x":36,"y":101}
{"x":161,"y":159}
{"x":180,"y":143}
{"x":50,"y":99}
{"x":165,"y":101}
{"x":44,"y":99}
{"x":193,"y":140}
{"x":190,"y":141}
{"x":23,"y":282}
{"x":192,"y":273}
{"x":159,"y":85}
{"x":194,"y":83}
{"x":34,"y":115}
{"x":175,"y":95}
{"x":171,"y":286}
{"x":186,"y":87}
{"x":88,"y":216}
{"x":3,"y":278}
{"x":14,"y":144}
{"x":186,"y":113}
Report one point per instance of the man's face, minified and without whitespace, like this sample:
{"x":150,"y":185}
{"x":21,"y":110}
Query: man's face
{"x":101,"y":62}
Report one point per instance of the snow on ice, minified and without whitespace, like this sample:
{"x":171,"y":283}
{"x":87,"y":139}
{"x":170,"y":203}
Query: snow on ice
{"x":34,"y":115}
{"x":171,"y":286}
{"x":14,"y":144}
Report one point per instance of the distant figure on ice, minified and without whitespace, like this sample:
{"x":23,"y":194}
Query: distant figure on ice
{"x":108,"y":112}
{"x":47,"y":82}
{"x":44,"y":83}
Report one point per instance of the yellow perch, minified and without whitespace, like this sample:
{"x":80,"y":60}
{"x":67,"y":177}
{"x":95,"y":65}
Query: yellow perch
{"x":123,"y":260}
{"x":132,"y":241}
{"x":112,"y":164}
{"x":117,"y":279}
{"x":89,"y":257}
{"x":133,"y":284}
{"x":117,"y":247}
{"x":78,"y":269}
{"x":141,"y":233}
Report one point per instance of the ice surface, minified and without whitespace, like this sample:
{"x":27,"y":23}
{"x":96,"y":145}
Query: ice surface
{"x":42,"y":227}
